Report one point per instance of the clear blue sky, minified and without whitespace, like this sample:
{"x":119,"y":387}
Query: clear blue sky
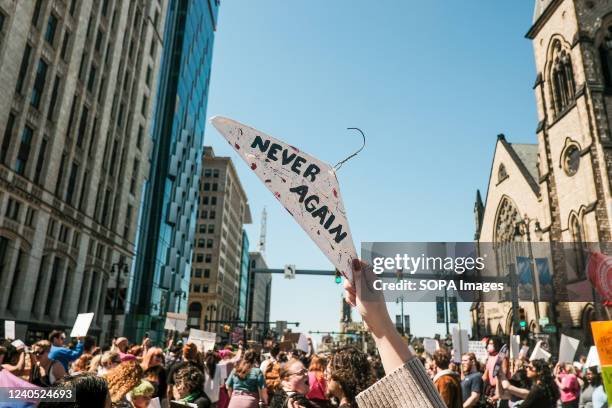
{"x":430,"y":83}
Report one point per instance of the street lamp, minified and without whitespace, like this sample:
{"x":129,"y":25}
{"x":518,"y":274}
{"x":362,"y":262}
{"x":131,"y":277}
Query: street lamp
{"x":118,"y":268}
{"x":523,"y":228}
{"x":180,"y":294}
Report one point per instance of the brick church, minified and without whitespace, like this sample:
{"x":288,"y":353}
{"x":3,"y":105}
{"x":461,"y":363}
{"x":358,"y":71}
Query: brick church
{"x":557,"y":192}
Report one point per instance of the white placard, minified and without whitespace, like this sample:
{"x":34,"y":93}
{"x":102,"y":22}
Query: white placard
{"x":81,"y":325}
{"x":154,"y":403}
{"x":592,"y":358}
{"x":460,"y":343}
{"x":302,"y":343}
{"x":479,"y":349}
{"x":18,"y":344}
{"x":430,"y":345}
{"x":176,"y":322}
{"x":305,"y":186}
{"x":203,"y":340}
{"x":568,"y":348}
{"x":515,"y":346}
{"x":9,"y":329}
{"x":539,"y":353}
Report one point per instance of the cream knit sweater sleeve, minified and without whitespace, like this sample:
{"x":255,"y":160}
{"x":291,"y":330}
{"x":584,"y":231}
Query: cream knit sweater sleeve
{"x":406,"y":387}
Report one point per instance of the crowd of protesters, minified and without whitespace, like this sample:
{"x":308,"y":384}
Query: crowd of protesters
{"x":502,"y":382}
{"x":181,"y":375}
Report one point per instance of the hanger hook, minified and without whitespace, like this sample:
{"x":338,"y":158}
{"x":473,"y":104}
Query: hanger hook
{"x":340,"y":163}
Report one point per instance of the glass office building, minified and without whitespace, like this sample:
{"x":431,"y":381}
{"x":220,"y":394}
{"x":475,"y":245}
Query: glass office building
{"x":244,"y":277}
{"x":159,"y":280}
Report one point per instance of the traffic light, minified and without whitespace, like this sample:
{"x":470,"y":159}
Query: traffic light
{"x":440,"y":313}
{"x":338,"y":277}
{"x":522,"y":319}
{"x":452,"y":310}
{"x":289,"y":271}
{"x":400,"y":274}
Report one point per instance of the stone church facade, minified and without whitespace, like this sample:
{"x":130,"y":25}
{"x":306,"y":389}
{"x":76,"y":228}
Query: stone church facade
{"x":558,"y":190}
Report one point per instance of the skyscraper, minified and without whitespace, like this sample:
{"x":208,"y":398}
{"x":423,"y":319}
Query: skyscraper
{"x":76,"y":78}
{"x":219,"y":254}
{"x":159,"y":281}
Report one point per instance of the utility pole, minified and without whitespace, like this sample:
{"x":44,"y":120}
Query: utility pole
{"x":117,"y":268}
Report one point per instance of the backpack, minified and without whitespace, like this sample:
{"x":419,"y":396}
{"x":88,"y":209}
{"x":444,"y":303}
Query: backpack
{"x":272,"y":377}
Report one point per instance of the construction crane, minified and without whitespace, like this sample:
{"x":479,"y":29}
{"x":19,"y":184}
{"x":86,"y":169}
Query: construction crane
{"x":262,"y":232}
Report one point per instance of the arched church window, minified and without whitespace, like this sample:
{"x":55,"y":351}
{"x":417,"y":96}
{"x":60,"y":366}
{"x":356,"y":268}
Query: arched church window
{"x":562,"y":78}
{"x":578,"y":246}
{"x":605,"y":53}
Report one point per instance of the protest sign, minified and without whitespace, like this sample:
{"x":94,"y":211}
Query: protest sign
{"x":9,"y":329}
{"x":203,"y":340}
{"x":606,"y":375}
{"x":81,"y":325}
{"x":515,"y":346}
{"x":305,"y":186}
{"x":539,"y":353}
{"x":602,"y":335}
{"x":460,"y":343}
{"x":18,"y":344}
{"x":302,"y":343}
{"x":479,"y":349}
{"x":568,"y":348}
{"x":430,"y":345}
{"x":592,"y":358}
{"x":175,"y":322}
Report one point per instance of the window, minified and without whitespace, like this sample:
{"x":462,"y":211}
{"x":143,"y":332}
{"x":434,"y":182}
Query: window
{"x":571,"y":160}
{"x":104,"y":7}
{"x":143,"y":108}
{"x":2,"y":20}
{"x":216,"y":173}
{"x":205,"y":288}
{"x":207,"y":172}
{"x":579,"y":249}
{"x":205,"y":200}
{"x":39,"y":83}
{"x":206,"y":186}
{"x":92,"y":78}
{"x":99,"y":39}
{"x":71,"y":117}
{"x":139,"y":137}
{"x":208,"y":258}
{"x":120,"y":115}
{"x":156,"y":20}
{"x":562,"y":78}
{"x":207,"y":273}
{"x":215,"y":187}
{"x":74,"y":170}
{"x":51,"y":28}
{"x":212,"y":215}
{"x":60,"y":175}
{"x":148,"y":76}
{"x":199,"y":257}
{"x":23,"y":68}
{"x":12,"y":209}
{"x":202,"y":228}
{"x":73,"y":7}
{"x":53,"y":100}
{"x":153,"y":47}
{"x":63,"y":233}
{"x":211,"y":228}
{"x":204,"y":214}
{"x":51,"y":228}
{"x":65,"y":43}
{"x":83,"y":194}
{"x":201,"y":243}
{"x":213,"y":201}
{"x":196,"y":288}
{"x":29,"y":218}
{"x":128,"y":221}
{"x":82,"y":126}
{"x":55,"y":269}
{"x":24,"y":150}
{"x":209,"y":243}
{"x":134,"y":176}
{"x":197,"y":273}
{"x":75,"y":239}
{"x":40,"y":161}
{"x":105,"y":207}
{"x":36,"y":15}
{"x":8,"y":133}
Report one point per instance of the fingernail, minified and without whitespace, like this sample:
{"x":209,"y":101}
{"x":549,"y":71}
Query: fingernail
{"x":356,"y":264}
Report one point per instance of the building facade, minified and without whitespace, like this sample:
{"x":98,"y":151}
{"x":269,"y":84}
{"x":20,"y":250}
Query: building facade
{"x":159,"y":281}
{"x":259,"y":295}
{"x":559,"y":189}
{"x":77,"y":78}
{"x":218,"y":245}
{"x":243,"y":286}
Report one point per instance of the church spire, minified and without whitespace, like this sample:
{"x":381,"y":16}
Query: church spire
{"x":478,"y":214}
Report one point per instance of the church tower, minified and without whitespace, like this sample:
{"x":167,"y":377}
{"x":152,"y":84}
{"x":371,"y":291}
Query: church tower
{"x":572,"y":42}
